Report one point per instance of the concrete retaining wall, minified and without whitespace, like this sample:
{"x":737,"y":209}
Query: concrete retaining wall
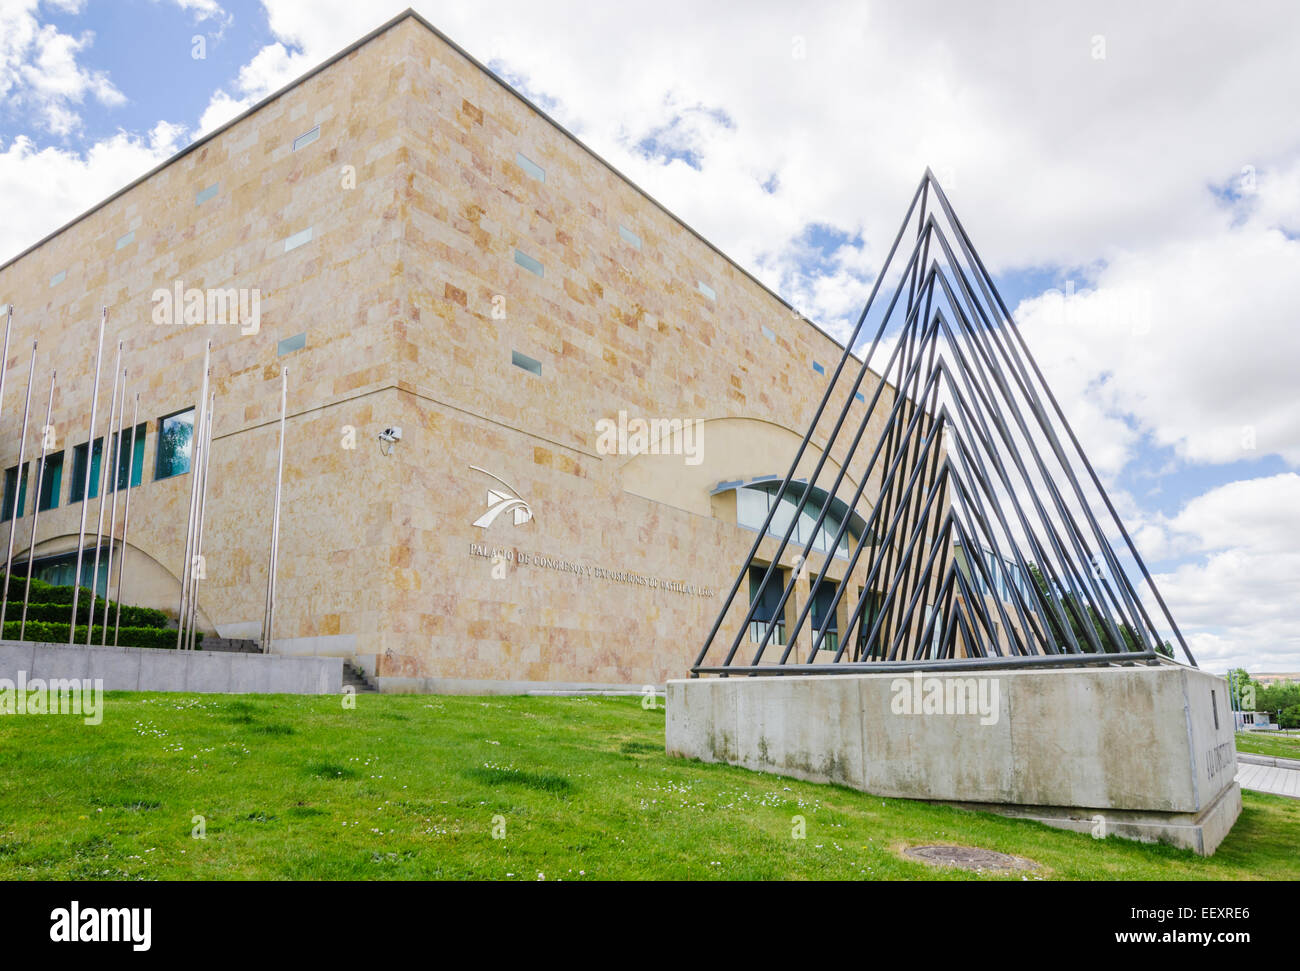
{"x":1148,"y":748}
{"x":154,"y":669}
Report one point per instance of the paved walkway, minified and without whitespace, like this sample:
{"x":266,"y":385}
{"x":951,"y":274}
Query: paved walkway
{"x":1281,"y":778}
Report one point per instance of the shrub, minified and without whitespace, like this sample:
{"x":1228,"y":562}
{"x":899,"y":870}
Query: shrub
{"x":56,"y":633}
{"x":58,"y":613}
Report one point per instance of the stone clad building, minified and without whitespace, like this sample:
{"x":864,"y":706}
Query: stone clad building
{"x":428,"y":252}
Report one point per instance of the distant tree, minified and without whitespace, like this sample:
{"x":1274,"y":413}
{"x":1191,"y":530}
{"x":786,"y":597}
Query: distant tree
{"x":1075,"y":612}
{"x":1240,"y":684}
{"x":1276,"y":697}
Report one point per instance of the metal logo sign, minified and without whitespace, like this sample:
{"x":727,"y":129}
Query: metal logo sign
{"x":499,"y":501}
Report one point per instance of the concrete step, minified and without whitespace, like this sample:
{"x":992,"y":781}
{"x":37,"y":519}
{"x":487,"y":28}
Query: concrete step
{"x":355,"y":678}
{"x":231,"y":644}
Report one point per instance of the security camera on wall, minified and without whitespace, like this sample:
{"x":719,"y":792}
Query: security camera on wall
{"x":389,"y":437}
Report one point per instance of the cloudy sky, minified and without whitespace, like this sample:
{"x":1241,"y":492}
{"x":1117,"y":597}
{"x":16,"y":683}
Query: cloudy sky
{"x":1130,"y":173}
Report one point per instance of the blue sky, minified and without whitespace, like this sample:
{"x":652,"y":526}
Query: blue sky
{"x":792,"y":139}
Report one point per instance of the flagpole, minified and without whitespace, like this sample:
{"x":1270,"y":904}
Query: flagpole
{"x":112,"y":516}
{"x":196,"y":448}
{"x":19,"y":480}
{"x":36,"y":510}
{"x":104,"y":464}
{"x":268,"y":621}
{"x":126,"y":516}
{"x":203,"y":509}
{"x":85,"y":485}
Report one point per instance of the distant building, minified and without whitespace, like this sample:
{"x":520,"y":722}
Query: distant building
{"x":1293,"y":678}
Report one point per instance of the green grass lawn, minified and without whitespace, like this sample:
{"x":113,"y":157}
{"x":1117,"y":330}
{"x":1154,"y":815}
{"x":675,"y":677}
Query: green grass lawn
{"x":1259,"y":743}
{"x":412,"y":786}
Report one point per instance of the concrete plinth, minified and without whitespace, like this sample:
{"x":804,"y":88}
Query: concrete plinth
{"x":1145,"y":752}
{"x":158,"y":669}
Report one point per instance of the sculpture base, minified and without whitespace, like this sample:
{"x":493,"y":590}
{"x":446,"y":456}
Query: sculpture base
{"x":1145,"y":752}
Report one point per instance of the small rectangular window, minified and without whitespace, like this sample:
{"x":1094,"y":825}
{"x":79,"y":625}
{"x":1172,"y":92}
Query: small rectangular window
{"x":629,"y":237}
{"x":51,"y":481}
{"x":298,"y":239}
{"x":206,"y":194}
{"x":58,"y":278}
{"x":306,"y":138}
{"x":79,"y":471}
{"x":126,"y":240}
{"x":531,"y":167}
{"x":705,"y":289}
{"x":528,"y":263}
{"x":290,"y":344}
{"x":818,"y":368}
{"x":126,"y":462}
{"x":1214,"y":704}
{"x":768,"y":332}
{"x":175,"y":441}
{"x":11,"y":482}
{"x":526,"y":362}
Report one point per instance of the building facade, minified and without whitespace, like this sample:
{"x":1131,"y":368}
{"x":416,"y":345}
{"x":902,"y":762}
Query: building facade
{"x":595,"y":405}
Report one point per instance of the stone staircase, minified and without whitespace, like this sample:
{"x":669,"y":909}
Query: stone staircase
{"x":355,"y":678}
{"x":231,"y":644}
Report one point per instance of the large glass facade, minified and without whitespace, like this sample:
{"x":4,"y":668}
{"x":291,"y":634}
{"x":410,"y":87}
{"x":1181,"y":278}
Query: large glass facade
{"x":175,"y":444}
{"x":125,"y":461}
{"x":59,"y":570}
{"x":754,"y":501}
{"x":51,"y":481}
{"x":1006,"y":575}
{"x":11,"y":482}
{"x":79,"y":471}
{"x":765,"y":600}
{"x":824,"y":616}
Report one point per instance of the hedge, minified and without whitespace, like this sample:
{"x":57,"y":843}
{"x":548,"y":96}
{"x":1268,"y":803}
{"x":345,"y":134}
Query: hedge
{"x":127,"y":636}
{"x":58,"y":613}
{"x":43,"y":592}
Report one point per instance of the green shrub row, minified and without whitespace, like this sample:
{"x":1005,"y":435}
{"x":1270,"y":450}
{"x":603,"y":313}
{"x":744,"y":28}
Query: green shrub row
{"x":58,"y":613}
{"x":55,"y":633}
{"x":43,"y":592}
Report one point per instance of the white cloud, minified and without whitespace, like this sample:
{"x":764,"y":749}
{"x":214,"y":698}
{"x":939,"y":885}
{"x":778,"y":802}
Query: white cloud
{"x":40,"y":72}
{"x":56,"y":185}
{"x":1194,"y":338}
{"x":1237,"y":603}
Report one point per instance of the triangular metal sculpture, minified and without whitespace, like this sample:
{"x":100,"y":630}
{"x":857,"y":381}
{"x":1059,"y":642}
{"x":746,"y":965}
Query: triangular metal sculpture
{"x":984,"y":545}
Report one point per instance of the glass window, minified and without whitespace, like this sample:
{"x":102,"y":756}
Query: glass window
{"x":59,"y":570}
{"x":51,"y":481}
{"x":126,"y":462}
{"x":11,"y":482}
{"x":823,"y":615}
{"x":79,"y":471}
{"x":629,"y":237}
{"x":175,"y":441}
{"x":305,"y":139}
{"x":531,"y":167}
{"x":526,"y":362}
{"x":290,"y":344}
{"x":528,"y":263}
{"x":752,"y":503}
{"x":301,"y":238}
